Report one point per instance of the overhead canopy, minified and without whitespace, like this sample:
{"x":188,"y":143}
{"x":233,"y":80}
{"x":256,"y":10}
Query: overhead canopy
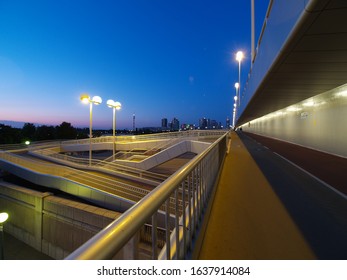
{"x":313,"y":60}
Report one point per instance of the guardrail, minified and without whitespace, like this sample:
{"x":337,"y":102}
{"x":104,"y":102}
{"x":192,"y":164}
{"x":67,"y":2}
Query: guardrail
{"x":183,"y":197}
{"x":148,"y":137}
{"x":98,"y":165}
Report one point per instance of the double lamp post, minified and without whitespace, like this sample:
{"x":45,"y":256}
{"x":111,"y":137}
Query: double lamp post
{"x":96,"y":100}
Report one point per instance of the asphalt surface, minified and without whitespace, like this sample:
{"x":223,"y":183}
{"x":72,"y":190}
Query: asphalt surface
{"x":319,"y":212}
{"x":267,"y":208}
{"x":329,"y":168}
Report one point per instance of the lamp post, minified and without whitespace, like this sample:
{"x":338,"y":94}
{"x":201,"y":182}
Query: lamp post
{"x":3,"y":219}
{"x":94,"y":100}
{"x":115,"y":106}
{"x":239,"y":57}
{"x":237,"y":86}
{"x":234,"y":109}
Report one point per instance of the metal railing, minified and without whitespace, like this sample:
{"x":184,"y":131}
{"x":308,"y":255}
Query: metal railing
{"x":96,"y":164}
{"x":148,"y":137}
{"x":183,"y":196}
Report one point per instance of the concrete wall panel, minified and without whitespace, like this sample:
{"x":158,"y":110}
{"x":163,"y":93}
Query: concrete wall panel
{"x":318,"y":122}
{"x":54,"y":226}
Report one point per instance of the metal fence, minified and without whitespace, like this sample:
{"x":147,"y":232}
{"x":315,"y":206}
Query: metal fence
{"x":175,"y":207}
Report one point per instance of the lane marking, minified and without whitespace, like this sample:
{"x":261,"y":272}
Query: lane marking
{"x":313,"y":176}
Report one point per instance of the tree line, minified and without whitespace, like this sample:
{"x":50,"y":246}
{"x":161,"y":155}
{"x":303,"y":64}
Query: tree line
{"x":64,"y":131}
{"x":30,"y":132}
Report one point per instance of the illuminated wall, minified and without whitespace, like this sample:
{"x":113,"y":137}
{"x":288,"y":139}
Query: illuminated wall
{"x":319,"y":122}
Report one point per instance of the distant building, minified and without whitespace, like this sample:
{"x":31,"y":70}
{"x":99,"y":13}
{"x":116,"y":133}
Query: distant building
{"x":175,"y":124}
{"x":164,"y":123}
{"x":213,"y":125}
{"x":187,"y":126}
{"x":133,"y":122}
{"x":203,"y":123}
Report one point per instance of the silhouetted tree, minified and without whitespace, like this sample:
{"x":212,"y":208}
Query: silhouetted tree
{"x":45,"y":132}
{"x":28,"y":131}
{"x":66,"y":131}
{"x":82,"y":133}
{"x":9,"y":135}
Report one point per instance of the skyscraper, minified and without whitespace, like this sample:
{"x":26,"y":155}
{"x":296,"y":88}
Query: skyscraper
{"x":133,"y":122}
{"x":203,"y":123}
{"x":164,"y":123}
{"x":175,"y":124}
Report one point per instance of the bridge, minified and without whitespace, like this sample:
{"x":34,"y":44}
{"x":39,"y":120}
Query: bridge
{"x":275,"y":189}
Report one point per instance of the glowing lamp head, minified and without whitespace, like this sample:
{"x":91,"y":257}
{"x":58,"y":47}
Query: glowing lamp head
{"x":117,"y":105}
{"x":3,"y":217}
{"x":27,"y":143}
{"x":235,"y":98}
{"x":96,"y":100}
{"x":85,"y":98}
{"x":114,"y":104}
{"x":239,"y":56}
{"x":110,"y":103}
{"x":237,"y":85}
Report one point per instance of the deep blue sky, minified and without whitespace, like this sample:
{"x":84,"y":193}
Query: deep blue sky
{"x":159,"y":58}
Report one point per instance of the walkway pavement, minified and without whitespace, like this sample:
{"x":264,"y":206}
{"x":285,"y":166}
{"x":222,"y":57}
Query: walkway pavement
{"x":267,"y":208}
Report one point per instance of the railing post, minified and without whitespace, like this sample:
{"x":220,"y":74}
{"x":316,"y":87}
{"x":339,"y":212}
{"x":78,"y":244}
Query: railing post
{"x":189,"y":211}
{"x":184,"y":217}
{"x":194,"y":202}
{"x":177,"y":226}
{"x":167,"y":227}
{"x":154,"y":236}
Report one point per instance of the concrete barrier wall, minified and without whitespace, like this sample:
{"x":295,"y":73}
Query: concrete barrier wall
{"x":167,"y":154}
{"x":318,"y":123}
{"x":90,"y":194}
{"x":119,"y":146}
{"x":52,"y":225}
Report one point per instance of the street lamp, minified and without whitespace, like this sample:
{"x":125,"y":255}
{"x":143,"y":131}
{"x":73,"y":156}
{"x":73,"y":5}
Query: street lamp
{"x":237,"y":86}
{"x":3,"y":219}
{"x":95,"y":100}
{"x":239,"y":58}
{"x":115,"y":106}
{"x":237,"y":97}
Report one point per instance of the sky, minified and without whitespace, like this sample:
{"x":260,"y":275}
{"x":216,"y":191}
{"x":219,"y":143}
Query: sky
{"x":158,"y":58}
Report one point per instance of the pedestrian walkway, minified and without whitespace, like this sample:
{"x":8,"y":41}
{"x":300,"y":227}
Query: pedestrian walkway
{"x":266,"y":208}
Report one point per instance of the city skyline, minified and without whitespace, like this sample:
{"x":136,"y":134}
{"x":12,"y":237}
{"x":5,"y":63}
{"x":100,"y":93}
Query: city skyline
{"x":164,"y":124}
{"x":173,"y":58}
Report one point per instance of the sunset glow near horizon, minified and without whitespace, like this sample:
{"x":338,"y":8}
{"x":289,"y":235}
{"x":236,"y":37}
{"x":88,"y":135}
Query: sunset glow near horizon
{"x":159,"y":59}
